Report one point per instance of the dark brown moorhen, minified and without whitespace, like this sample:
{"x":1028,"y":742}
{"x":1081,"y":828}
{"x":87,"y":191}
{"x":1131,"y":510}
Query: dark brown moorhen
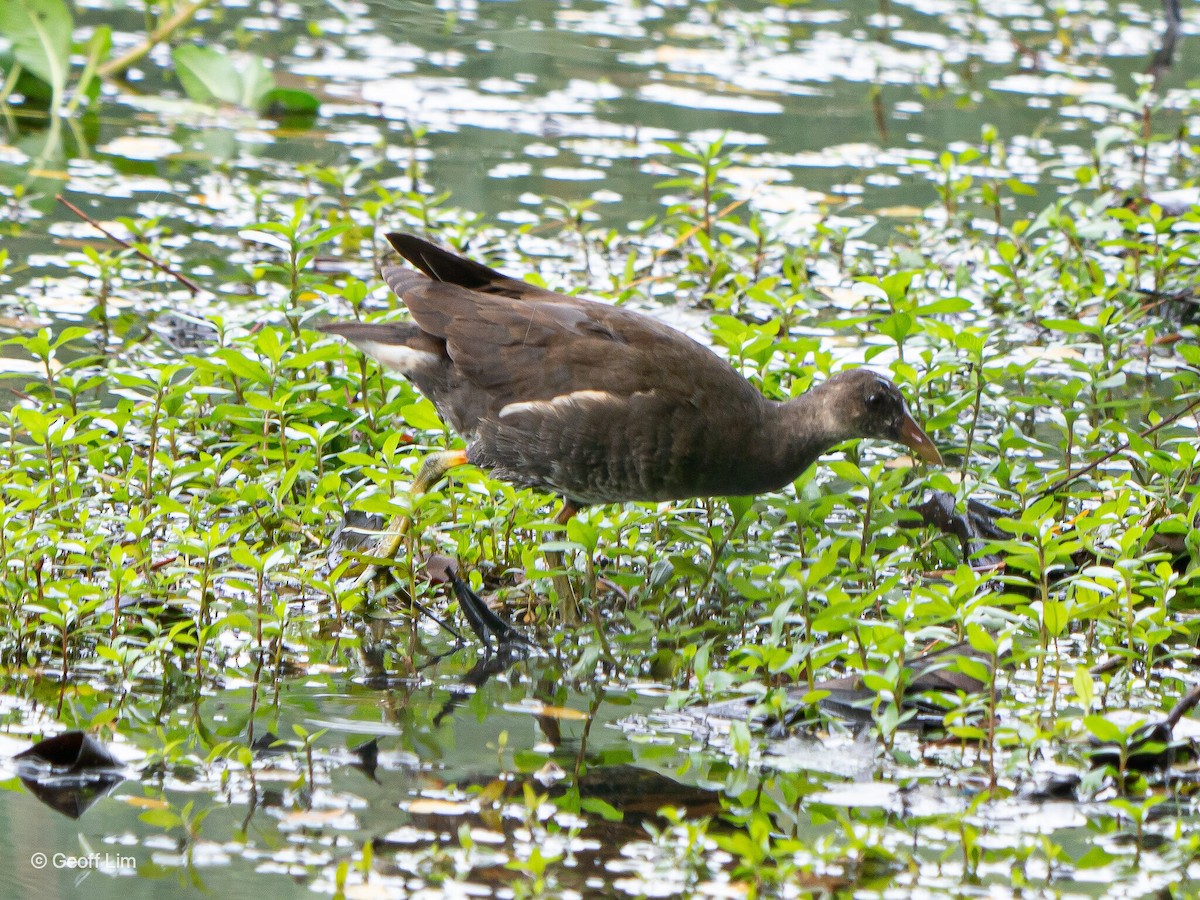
{"x":600,"y":404}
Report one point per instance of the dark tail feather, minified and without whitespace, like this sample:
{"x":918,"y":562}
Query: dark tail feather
{"x":442,"y":265}
{"x":405,"y":334}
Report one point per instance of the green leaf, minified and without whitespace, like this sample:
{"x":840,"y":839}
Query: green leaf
{"x":1054,"y":617}
{"x":601,"y":808}
{"x":40,"y":31}
{"x":583,"y":533}
{"x":740,"y":506}
{"x":1094,"y":858}
{"x":873,"y":681}
{"x":981,"y":639}
{"x":243,"y":366}
{"x":355,"y":458}
{"x":289,"y":101}
{"x":945,"y":306}
{"x":262,"y":403}
{"x":1104,"y":730}
{"x":242,"y":555}
{"x":896,"y":285}
{"x":161,"y":818}
{"x":1189,"y":352}
{"x":422,"y":415}
{"x":207,"y":74}
{"x":289,"y":478}
{"x":1068,"y":326}
{"x":1085,"y":688}
{"x":897,"y":326}
{"x":257,"y":81}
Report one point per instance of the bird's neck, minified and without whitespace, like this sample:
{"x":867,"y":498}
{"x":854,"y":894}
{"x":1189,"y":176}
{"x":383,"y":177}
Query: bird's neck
{"x":808,"y":426}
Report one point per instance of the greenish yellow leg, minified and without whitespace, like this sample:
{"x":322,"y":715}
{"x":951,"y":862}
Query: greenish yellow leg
{"x":436,"y":465}
{"x":568,"y":603}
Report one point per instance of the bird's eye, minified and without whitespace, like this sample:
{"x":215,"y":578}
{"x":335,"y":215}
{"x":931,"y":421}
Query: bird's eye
{"x":879,"y":397}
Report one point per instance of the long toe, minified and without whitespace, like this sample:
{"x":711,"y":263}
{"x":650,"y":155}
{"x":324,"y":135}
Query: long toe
{"x":484,"y":622}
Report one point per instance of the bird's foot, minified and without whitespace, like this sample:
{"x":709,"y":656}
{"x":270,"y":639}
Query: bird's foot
{"x":493,"y":632}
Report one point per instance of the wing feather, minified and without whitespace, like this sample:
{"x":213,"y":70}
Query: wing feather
{"x":565,"y":393}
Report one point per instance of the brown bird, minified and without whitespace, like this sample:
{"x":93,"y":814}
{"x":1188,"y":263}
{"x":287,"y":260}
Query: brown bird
{"x":600,"y":404}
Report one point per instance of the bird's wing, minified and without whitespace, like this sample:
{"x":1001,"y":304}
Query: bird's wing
{"x":537,"y":349}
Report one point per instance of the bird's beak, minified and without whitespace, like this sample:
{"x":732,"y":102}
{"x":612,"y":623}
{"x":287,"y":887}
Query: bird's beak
{"x":911,"y":436}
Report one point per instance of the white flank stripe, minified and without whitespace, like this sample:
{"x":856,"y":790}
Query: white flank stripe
{"x":557,"y":404}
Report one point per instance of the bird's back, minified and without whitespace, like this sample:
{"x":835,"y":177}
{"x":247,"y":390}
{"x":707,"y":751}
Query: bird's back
{"x":583,"y":398}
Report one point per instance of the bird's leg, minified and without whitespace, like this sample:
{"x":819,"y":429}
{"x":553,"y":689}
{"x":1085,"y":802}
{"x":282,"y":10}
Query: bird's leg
{"x":493,"y":632}
{"x":436,"y":465}
{"x":568,"y":603}
{"x":488,"y":626}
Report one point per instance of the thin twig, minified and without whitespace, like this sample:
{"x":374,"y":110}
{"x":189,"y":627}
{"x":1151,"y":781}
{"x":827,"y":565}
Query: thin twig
{"x":182,"y":15}
{"x":1185,"y":704}
{"x":1169,"y":420}
{"x":687,"y":235}
{"x":680,"y":241}
{"x":178,"y":276}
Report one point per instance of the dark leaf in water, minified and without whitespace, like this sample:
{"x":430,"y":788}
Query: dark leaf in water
{"x":71,"y":799}
{"x":73,"y":751}
{"x":1153,"y":745}
{"x":368,"y":756}
{"x":271,"y":743}
{"x":931,"y":676}
{"x":68,"y":772}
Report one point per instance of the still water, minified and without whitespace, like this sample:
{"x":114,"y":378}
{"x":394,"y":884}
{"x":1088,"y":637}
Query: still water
{"x":526,"y":112}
